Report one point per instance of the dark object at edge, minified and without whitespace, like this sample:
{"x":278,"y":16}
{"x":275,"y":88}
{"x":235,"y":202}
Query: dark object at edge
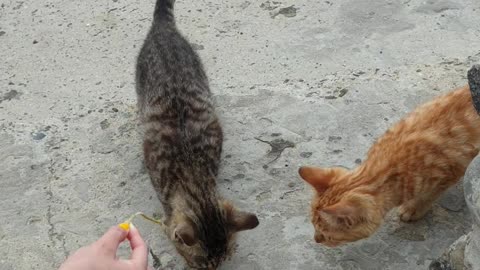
{"x":440,"y":265}
{"x":474,"y":82}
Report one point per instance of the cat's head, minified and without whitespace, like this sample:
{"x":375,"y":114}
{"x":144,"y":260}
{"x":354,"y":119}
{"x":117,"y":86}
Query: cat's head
{"x":207,"y":239}
{"x":341,"y":212}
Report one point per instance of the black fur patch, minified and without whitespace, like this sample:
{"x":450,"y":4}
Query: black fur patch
{"x":474,"y":82}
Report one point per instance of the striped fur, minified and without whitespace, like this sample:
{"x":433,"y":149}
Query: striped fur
{"x":164,"y":11}
{"x":410,"y":166}
{"x":183,"y":144}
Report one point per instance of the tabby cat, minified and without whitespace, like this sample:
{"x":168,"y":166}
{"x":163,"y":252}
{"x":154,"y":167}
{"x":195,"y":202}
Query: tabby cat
{"x":183,"y":143}
{"x":409,"y":166}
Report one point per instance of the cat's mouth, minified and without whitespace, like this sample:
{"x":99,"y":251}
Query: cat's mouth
{"x":196,"y":267}
{"x":332,"y":244}
{"x":320,"y":239}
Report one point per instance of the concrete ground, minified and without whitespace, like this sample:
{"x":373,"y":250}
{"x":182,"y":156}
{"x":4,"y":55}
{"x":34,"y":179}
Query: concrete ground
{"x":323,"y":78}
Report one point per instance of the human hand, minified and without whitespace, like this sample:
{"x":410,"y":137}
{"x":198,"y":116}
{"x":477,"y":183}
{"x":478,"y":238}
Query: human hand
{"x":101,"y":255}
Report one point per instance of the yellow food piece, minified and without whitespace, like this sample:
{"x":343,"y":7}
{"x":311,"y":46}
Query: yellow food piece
{"x":124,"y":226}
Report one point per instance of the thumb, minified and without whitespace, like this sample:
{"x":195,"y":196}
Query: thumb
{"x":139,"y":248}
{"x":109,"y":242}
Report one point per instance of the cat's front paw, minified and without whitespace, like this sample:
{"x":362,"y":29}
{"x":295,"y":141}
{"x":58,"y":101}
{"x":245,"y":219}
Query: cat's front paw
{"x":406,"y":213}
{"x":409,"y":213}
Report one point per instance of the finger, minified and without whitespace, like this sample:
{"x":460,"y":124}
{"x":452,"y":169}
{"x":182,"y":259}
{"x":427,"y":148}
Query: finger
{"x":139,"y":248}
{"x":130,"y":265}
{"x":125,"y":265}
{"x":110,"y":241}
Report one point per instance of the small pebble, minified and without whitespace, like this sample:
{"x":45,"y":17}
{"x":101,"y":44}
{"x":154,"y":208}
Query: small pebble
{"x":37,"y":136}
{"x":104,"y":124}
{"x":306,"y":154}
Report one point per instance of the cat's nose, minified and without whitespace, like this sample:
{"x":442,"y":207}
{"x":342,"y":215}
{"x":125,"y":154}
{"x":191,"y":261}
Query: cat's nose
{"x":319,"y":238}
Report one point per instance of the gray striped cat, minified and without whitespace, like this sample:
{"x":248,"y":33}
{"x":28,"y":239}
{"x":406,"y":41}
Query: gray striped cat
{"x":183,"y":143}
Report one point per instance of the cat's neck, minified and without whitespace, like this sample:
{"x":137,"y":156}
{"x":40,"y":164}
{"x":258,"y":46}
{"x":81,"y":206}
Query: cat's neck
{"x":381,"y":183}
{"x":189,"y":203}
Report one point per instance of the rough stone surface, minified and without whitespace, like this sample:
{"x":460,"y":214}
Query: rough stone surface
{"x":472,"y":190}
{"x":463,"y":254}
{"x":70,"y":155}
{"x":454,"y":257}
{"x":472,"y":196}
{"x":472,"y":249}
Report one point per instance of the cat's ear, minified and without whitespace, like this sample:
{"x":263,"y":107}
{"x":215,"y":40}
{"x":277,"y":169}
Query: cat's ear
{"x":343,"y":213}
{"x":241,"y":221}
{"x":318,"y":178}
{"x":185,"y":233}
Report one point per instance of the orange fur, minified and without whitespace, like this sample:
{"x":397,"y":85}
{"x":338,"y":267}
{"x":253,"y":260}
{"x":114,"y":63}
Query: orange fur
{"x":409,"y":166}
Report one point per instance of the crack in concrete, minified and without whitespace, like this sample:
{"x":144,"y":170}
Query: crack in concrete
{"x":288,"y":192}
{"x":278,"y":146}
{"x":156,"y":261}
{"x":52,"y":231}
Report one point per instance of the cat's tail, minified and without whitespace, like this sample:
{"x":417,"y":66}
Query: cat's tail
{"x":164,"y":11}
{"x":474,"y":83}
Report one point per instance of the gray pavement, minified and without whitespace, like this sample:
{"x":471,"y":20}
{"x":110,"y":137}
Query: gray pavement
{"x":325,"y":78}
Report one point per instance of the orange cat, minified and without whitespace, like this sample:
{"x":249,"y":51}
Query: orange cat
{"x":409,"y":166}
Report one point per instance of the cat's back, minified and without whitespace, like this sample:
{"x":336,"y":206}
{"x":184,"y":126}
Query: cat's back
{"x":167,"y":49}
{"x":449,"y":116}
{"x":168,"y":65}
{"x":176,"y":109}
{"x":172,"y":87}
{"x":445,"y":125}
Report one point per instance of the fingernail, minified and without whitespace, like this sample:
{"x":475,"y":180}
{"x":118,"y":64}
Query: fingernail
{"x":124,"y":226}
{"x":132,"y":226}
